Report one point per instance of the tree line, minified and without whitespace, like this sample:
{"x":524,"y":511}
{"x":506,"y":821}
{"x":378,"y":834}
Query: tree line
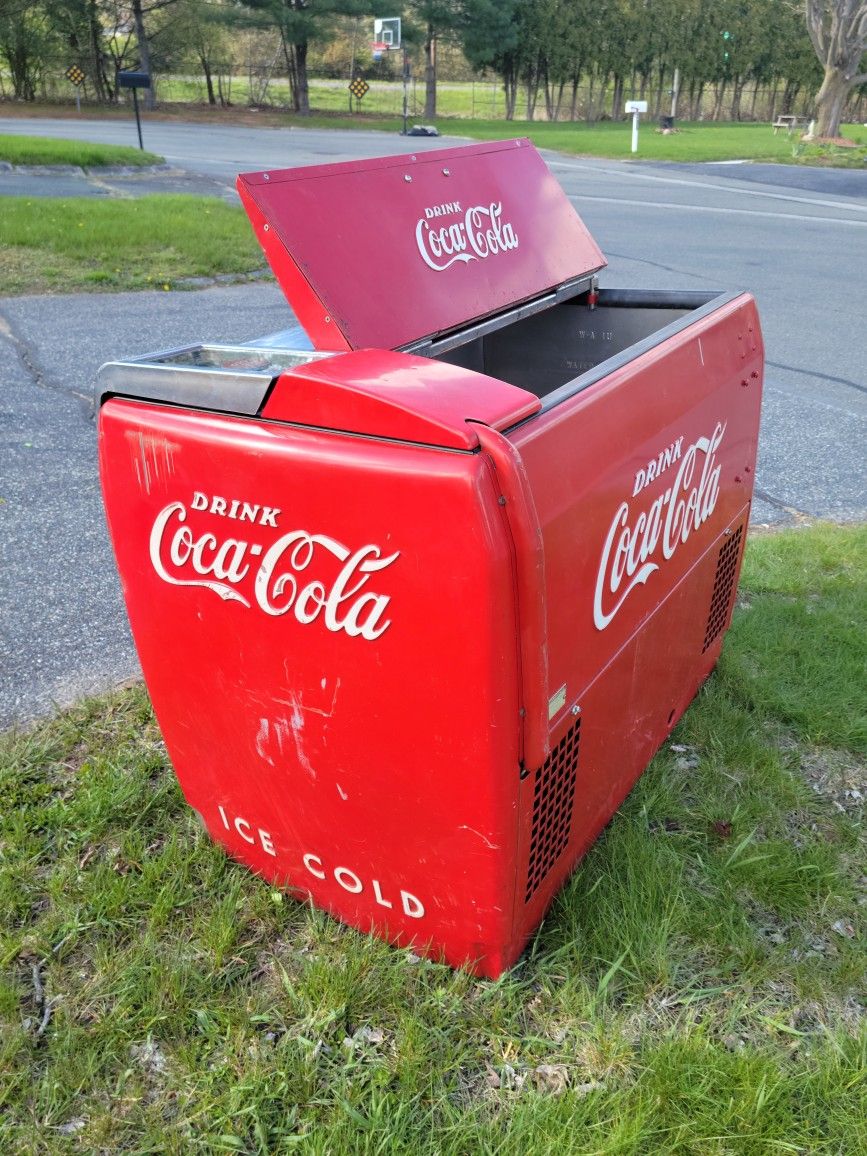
{"x":547,"y":49}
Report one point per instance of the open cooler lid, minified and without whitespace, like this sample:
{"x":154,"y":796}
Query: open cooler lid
{"x":384,"y":253}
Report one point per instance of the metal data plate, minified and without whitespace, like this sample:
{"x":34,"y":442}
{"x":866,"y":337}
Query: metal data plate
{"x":227,"y":378}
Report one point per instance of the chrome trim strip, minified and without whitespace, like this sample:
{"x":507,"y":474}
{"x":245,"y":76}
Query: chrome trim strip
{"x":163,"y":377}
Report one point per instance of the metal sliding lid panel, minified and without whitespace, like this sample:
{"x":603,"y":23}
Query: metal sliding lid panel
{"x":383,"y":253}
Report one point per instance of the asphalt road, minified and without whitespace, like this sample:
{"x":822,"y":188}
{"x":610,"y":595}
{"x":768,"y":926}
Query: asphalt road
{"x":798,"y":244}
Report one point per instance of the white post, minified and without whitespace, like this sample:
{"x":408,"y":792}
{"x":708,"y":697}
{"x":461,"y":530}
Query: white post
{"x":636,"y":107}
{"x":675,"y":89}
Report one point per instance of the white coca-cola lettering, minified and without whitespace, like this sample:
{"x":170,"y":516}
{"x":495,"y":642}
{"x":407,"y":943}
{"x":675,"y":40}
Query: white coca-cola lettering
{"x":277,"y":593}
{"x":236,"y":509}
{"x":657,"y":466}
{"x":447,"y":209}
{"x":480,"y":234}
{"x":630,"y":545}
{"x":203,"y":554}
{"x":342,"y":603}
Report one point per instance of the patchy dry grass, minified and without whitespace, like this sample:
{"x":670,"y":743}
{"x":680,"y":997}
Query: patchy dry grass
{"x":697,"y":987}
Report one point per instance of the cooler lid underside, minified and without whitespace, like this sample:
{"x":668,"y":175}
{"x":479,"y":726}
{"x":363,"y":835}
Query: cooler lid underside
{"x":383,"y":253}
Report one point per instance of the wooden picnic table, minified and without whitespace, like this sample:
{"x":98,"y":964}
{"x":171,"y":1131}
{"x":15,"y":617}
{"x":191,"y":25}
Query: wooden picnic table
{"x":789,"y":123}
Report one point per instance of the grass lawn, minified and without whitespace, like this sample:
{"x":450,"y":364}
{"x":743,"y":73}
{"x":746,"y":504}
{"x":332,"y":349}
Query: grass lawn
{"x":705,"y":141}
{"x":37,"y":150}
{"x":69,"y":245}
{"x":697,"y":987}
{"x":692,"y":142}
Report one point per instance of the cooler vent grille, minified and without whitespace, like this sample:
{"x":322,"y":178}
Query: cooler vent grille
{"x":726,"y":567}
{"x":553,"y":799}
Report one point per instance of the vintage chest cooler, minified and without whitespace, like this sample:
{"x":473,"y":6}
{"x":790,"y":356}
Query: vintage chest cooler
{"x":417,"y":606}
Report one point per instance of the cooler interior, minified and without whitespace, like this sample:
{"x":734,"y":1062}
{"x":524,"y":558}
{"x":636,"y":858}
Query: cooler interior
{"x":550,"y":348}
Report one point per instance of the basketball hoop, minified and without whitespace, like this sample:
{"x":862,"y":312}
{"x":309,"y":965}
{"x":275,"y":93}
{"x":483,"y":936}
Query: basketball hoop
{"x":378,"y":48}
{"x":386,"y":33}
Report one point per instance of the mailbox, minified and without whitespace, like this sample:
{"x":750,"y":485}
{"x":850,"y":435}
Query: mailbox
{"x":133,"y":80}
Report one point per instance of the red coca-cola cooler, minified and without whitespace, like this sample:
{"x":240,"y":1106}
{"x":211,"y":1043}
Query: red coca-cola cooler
{"x":416,"y":607}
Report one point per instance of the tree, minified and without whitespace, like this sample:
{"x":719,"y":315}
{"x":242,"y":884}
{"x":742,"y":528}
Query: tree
{"x":300,"y":22}
{"x":200,"y":34}
{"x":26,"y":44}
{"x":437,"y":18}
{"x":492,"y":39}
{"x":838,"y":30}
{"x":133,"y":14}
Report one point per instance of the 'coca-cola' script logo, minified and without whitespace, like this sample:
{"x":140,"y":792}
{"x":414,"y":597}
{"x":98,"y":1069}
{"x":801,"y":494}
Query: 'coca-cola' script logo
{"x":633,"y":542}
{"x":283,"y":578}
{"x":478,"y":233}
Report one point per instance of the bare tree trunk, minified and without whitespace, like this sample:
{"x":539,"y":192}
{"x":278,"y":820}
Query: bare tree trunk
{"x":737,"y":92}
{"x":830,"y":102}
{"x":603,"y":92}
{"x":573,"y":107}
{"x":548,"y":92}
{"x":532,"y":88}
{"x":295,"y":56}
{"x":94,"y":31}
{"x":720,"y":93}
{"x":291,"y":72}
{"x":772,"y":102}
{"x":657,"y":112}
{"x":510,"y":88}
{"x":144,"y":51}
{"x":617,"y":99}
{"x":838,"y":32}
{"x":301,"y":72}
{"x":558,"y":107}
{"x":21,"y":65}
{"x":209,"y":80}
{"x":430,"y":74}
{"x":789,"y":96}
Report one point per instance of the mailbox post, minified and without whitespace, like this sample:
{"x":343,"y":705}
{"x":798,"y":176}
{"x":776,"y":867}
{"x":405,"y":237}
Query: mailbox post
{"x":636,"y":107}
{"x":135,"y":81}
